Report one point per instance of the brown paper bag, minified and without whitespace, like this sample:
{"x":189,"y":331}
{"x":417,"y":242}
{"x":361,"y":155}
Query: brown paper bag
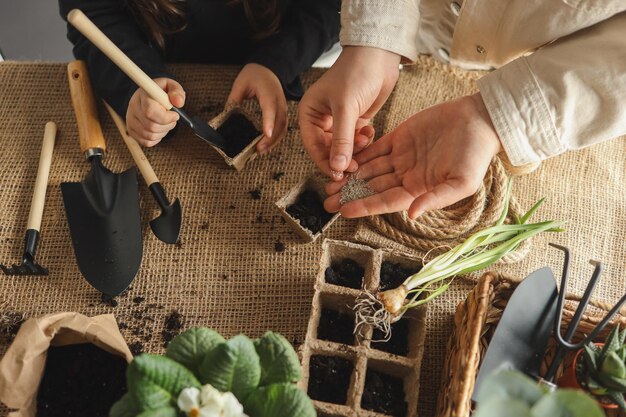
{"x":23,"y":365}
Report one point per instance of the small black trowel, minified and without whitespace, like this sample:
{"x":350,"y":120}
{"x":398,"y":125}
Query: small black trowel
{"x":166,"y":226}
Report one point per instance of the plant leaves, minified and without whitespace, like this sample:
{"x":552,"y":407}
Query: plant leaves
{"x":232,"y":366}
{"x":279,"y":400}
{"x":614,"y":366}
{"x":567,"y":403}
{"x":160,"y":412}
{"x":125,"y":407}
{"x":591,"y":354}
{"x":189,"y":347}
{"x":618,"y":398}
{"x":500,"y":407}
{"x":155,"y":381}
{"x":509,"y":384}
{"x":279,"y":361}
{"x":612,"y":342}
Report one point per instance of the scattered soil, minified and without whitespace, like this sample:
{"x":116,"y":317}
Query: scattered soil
{"x":279,"y":246}
{"x":10,"y":323}
{"x":108,"y":300}
{"x":139,"y":299}
{"x":345,"y":272}
{"x":336,"y":326}
{"x":399,"y":342}
{"x":384,"y":394}
{"x":392,"y":275}
{"x":136,"y":348}
{"x":80,"y":380}
{"x":204,"y":226}
{"x":329,"y":379}
{"x":309,"y":211}
{"x":256,"y":193}
{"x":277,"y":176}
{"x":172,"y":326}
{"x":238,"y":132}
{"x":232,"y":207}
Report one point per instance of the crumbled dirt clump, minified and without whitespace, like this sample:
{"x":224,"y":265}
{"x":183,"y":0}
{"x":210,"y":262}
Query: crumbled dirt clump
{"x":172,"y":326}
{"x":346,"y":273}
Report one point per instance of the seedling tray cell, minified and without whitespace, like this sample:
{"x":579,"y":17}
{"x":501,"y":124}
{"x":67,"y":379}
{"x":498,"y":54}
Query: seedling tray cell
{"x":242,"y":132}
{"x":403,"y":364}
{"x":302,"y":208}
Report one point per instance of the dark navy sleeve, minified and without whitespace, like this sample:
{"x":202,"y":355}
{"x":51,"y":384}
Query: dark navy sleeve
{"x":308,"y":28}
{"x":117,"y":22}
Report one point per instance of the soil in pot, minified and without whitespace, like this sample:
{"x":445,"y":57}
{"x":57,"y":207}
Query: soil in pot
{"x":309,"y":211}
{"x":80,"y":380}
{"x":336,"y":327}
{"x":238,"y":132}
{"x":392,"y":275}
{"x":345,"y":272}
{"x":384,"y":394}
{"x":329,"y":378}
{"x":399,"y":342}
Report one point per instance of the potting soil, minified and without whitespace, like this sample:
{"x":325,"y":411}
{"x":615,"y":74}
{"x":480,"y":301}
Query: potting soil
{"x":345,"y":272}
{"x":384,"y":394}
{"x":336,"y":326}
{"x":80,"y":380}
{"x":309,"y":211}
{"x":329,"y":378}
{"x":238,"y":132}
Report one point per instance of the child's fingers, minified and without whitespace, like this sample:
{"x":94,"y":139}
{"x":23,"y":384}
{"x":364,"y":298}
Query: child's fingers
{"x":174,"y":90}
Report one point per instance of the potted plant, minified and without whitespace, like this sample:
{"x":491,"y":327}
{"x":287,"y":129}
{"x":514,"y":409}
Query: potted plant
{"x":203,"y":375}
{"x":600,"y":368}
{"x":513,"y":394}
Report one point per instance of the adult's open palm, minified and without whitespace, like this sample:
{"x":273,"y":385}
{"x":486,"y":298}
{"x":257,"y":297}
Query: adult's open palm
{"x":433,"y":159}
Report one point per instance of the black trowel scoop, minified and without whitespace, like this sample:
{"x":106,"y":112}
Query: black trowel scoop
{"x":102,"y":210}
{"x":166,"y":226}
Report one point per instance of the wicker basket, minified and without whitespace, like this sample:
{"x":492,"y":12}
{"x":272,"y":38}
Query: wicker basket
{"x":474,"y":324}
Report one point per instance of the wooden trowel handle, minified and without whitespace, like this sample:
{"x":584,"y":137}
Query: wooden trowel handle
{"x":84,"y":103}
{"x":43,"y":172}
{"x":135,"y":150}
{"x":85,"y":26}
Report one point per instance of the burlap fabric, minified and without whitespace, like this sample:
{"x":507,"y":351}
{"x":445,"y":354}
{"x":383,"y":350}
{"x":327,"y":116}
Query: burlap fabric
{"x":226,"y":272}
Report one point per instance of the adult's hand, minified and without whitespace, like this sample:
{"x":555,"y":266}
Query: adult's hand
{"x":256,"y":80}
{"x":335,"y":112}
{"x":146,"y":120}
{"x":432,"y":160}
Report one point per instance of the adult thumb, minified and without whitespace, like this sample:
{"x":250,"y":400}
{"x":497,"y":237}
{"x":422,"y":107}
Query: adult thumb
{"x":344,"y":125}
{"x":175,"y":93}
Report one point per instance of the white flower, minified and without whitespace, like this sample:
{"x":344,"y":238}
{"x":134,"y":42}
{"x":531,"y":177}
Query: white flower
{"x":209,"y":402}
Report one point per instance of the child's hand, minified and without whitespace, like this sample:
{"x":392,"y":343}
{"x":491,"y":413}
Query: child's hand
{"x":255,"y":80}
{"x":146,"y":120}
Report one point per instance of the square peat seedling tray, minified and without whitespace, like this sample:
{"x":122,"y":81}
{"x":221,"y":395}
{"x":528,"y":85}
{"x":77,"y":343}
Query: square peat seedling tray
{"x":242,"y":132}
{"x":348,"y":375}
{"x":303,"y":208}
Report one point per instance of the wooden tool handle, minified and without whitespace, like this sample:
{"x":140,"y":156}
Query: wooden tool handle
{"x":135,"y":150}
{"x":43,"y":172}
{"x":81,"y":22}
{"x":84,"y":103}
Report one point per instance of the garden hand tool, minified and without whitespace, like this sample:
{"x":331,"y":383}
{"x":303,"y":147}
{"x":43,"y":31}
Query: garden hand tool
{"x":201,"y":128}
{"x":103,"y":210}
{"x":167,"y":225}
{"x":565,"y":342}
{"x":28,"y":265}
{"x":521,"y":337}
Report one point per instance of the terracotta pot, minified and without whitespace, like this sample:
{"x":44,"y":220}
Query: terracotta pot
{"x":569,"y":380}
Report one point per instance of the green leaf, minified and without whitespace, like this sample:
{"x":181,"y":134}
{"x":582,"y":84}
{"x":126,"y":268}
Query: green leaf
{"x":617,"y":398}
{"x":279,"y":362}
{"x":509,"y":385}
{"x":160,"y":412}
{"x":614,"y":366}
{"x":189,"y":347}
{"x":232,"y":366}
{"x":125,"y":407}
{"x":155,"y":381}
{"x":279,"y":400}
{"x":567,"y":403}
{"x":612,"y":342}
{"x":500,"y":407}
